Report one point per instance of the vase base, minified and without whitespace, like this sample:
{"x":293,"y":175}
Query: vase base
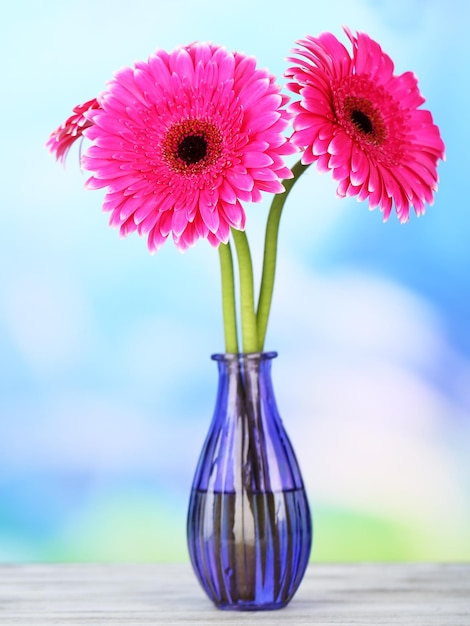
{"x":251,"y":606}
{"x":261,"y":567}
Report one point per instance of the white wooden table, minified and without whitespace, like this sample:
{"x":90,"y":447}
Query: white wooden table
{"x":365,"y":594}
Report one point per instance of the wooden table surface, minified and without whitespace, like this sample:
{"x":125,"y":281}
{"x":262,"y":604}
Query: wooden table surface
{"x":365,"y":594}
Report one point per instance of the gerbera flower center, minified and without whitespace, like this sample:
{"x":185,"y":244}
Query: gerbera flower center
{"x":192,"y":149}
{"x":192,"y":146}
{"x":364,"y":119}
{"x":371,"y":117}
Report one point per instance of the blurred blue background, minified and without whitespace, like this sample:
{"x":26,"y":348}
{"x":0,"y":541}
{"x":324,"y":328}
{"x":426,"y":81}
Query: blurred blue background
{"x":106,"y":385}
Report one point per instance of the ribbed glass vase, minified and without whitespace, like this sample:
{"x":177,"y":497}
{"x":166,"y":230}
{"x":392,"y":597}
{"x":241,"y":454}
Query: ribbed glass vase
{"x":249,"y":524}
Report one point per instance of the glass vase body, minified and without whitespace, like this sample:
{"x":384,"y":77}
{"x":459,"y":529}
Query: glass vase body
{"x":249,"y":526}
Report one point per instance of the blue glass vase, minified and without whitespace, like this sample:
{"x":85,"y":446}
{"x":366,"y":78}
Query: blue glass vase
{"x":249,"y":525}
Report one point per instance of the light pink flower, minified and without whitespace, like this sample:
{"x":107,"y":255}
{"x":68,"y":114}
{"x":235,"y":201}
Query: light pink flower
{"x":361,"y":121}
{"x":60,"y":140}
{"x":182,"y":139}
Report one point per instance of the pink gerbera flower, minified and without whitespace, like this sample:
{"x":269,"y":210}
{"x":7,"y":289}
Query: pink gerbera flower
{"x":182,"y":139}
{"x":361,"y":121}
{"x":61,"y":139}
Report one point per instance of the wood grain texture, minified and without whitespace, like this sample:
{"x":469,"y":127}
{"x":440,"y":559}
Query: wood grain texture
{"x":346,"y":595}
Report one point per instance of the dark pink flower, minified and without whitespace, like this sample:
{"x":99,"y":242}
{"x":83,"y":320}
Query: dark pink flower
{"x":61,"y":139}
{"x":182,"y":139}
{"x":360,"y":120}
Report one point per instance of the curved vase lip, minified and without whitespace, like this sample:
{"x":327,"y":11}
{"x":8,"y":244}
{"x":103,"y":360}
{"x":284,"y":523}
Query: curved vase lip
{"x":245,"y":356}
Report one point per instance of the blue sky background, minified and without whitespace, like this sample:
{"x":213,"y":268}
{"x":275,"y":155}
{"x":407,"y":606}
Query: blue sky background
{"x":106,"y":385}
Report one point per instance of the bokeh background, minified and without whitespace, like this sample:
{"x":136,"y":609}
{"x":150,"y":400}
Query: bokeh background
{"x":106,"y":385}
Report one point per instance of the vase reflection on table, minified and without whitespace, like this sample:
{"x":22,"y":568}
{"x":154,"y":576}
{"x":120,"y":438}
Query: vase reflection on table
{"x":249,"y":525}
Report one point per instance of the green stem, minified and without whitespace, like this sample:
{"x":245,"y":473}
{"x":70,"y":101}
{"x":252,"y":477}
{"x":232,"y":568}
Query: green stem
{"x":247,"y":297}
{"x":228,"y":298}
{"x":270,"y":253}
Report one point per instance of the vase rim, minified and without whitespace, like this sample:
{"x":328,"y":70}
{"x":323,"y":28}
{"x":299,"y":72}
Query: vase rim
{"x":245,"y":356}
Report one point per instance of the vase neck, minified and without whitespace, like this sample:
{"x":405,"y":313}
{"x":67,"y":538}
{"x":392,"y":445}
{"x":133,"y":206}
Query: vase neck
{"x":244,"y":383}
{"x":243,"y":359}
